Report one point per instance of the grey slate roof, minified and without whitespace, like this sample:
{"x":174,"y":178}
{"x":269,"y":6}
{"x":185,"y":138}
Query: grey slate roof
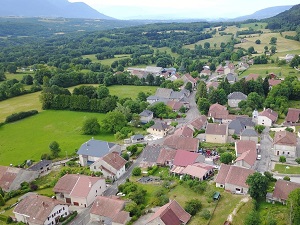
{"x":160,"y":126}
{"x":237,"y":126}
{"x":163,"y":92}
{"x":43,"y":163}
{"x":237,"y":95}
{"x":249,"y":133}
{"x":137,"y":136}
{"x":247,"y":121}
{"x":146,"y":113}
{"x":231,"y":77}
{"x":95,"y":148}
{"x":151,"y":153}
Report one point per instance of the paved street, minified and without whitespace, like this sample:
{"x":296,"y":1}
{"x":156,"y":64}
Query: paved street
{"x":265,"y":151}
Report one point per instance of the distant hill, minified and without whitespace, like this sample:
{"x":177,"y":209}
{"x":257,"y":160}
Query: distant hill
{"x":264,"y":13}
{"x":288,"y":20}
{"x":49,"y":8}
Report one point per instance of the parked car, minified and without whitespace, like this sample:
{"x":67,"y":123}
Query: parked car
{"x":258,"y":157}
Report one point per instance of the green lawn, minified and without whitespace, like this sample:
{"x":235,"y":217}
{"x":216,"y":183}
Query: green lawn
{"x":283,"y":44}
{"x":130,"y":91}
{"x":294,"y":104}
{"x":276,"y":211}
{"x":260,"y":26}
{"x":21,"y":103}
{"x":107,"y":62}
{"x":30,"y":138}
{"x":241,"y":214}
{"x":167,"y":50}
{"x":282,"y":168}
{"x":215,"y":40}
{"x":263,"y":69}
{"x":31,"y":101}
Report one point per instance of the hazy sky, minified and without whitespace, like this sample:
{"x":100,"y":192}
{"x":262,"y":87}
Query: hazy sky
{"x":124,"y":9}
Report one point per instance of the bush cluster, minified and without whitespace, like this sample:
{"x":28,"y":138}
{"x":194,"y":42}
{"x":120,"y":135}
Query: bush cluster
{"x":19,"y":116}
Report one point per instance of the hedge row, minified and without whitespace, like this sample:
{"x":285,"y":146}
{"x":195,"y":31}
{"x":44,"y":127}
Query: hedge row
{"x":19,"y":116}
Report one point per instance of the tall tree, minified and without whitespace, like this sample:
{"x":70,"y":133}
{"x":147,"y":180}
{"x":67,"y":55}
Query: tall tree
{"x":258,"y":185}
{"x":114,"y":121}
{"x":266,"y":86}
{"x":293,"y":203}
{"x":102,"y":92}
{"x":91,"y":126}
{"x":54,"y":148}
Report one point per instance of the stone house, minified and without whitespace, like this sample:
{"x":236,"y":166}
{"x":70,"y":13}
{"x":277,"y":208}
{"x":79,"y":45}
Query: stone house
{"x":285,"y":143}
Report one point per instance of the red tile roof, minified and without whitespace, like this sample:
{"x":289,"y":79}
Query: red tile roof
{"x":216,"y":129}
{"x":121,"y":217}
{"x":233,"y":175}
{"x":114,"y":160}
{"x":166,"y":155}
{"x":199,"y":122}
{"x":249,"y":157}
{"x":184,"y":143}
{"x":184,"y":131}
{"x":189,"y":78}
{"x":107,"y":206}
{"x":174,"y":105}
{"x":273,"y":82}
{"x":244,"y":146}
{"x":185,"y":158}
{"x":285,"y":138}
{"x":218,"y":111}
{"x":37,"y":208}
{"x":238,"y":176}
{"x":283,"y":188}
{"x":271,"y":114}
{"x":171,"y":214}
{"x":292,"y":115}
{"x":75,"y":185}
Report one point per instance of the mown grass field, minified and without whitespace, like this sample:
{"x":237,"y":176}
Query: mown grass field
{"x":287,"y":169}
{"x":254,"y":26}
{"x":167,"y":50}
{"x":31,"y":101}
{"x":107,"y":62}
{"x":283,"y":44}
{"x":215,"y":40}
{"x":30,"y":138}
{"x":265,"y":69}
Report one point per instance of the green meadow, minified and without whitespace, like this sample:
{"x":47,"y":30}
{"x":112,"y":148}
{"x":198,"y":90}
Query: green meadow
{"x":31,"y":101}
{"x":30,"y":137}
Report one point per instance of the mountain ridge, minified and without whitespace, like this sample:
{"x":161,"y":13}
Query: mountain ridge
{"x":49,"y":8}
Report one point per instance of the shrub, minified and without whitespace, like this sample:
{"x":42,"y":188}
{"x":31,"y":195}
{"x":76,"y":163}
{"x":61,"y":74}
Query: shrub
{"x":282,"y":159}
{"x":297,"y":160}
{"x":287,"y":178}
{"x":193,"y":206}
{"x":205,"y":214}
{"x":136,"y":171}
{"x":21,"y":115}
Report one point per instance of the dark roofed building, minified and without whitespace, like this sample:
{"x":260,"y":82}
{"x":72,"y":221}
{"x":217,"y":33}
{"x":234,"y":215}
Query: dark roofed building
{"x":249,"y":134}
{"x":42,"y":166}
{"x":146,"y":116}
{"x":235,"y":98}
{"x":92,"y":150}
{"x":150,"y":155}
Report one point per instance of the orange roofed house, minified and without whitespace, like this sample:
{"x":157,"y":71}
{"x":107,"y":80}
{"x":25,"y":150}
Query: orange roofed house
{"x":39,"y":210}
{"x":233,"y":178}
{"x":169,"y":214}
{"x":79,"y":190}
